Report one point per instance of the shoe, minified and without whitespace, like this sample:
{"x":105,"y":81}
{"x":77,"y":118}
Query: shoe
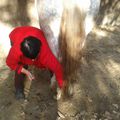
{"x":19,"y":94}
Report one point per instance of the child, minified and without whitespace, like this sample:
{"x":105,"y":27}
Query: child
{"x":29,"y":47}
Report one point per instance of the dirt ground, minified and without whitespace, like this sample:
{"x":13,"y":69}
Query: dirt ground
{"x":96,"y":91}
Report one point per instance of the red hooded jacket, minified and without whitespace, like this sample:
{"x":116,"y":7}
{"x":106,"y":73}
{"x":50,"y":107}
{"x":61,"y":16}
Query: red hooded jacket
{"x":16,"y":60}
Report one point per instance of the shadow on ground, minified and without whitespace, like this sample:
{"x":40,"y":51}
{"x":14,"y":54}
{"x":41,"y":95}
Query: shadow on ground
{"x":14,"y":12}
{"x":109,"y":13}
{"x":39,"y":105}
{"x":97,"y":90}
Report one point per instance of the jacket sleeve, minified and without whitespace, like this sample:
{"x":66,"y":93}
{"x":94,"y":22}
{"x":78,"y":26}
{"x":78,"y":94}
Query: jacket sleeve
{"x":54,"y":65}
{"x":12,"y":60}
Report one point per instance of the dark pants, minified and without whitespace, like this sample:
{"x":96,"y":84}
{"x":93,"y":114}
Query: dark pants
{"x":51,"y":73}
{"x":19,"y":79}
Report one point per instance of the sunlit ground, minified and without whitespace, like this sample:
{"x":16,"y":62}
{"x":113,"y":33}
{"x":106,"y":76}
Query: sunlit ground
{"x":4,"y":38}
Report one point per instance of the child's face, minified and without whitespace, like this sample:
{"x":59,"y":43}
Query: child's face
{"x":33,"y":60}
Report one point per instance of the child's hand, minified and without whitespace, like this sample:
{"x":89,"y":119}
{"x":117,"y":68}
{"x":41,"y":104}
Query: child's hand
{"x":29,"y":75}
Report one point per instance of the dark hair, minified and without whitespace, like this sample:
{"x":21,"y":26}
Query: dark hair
{"x":30,"y":47}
